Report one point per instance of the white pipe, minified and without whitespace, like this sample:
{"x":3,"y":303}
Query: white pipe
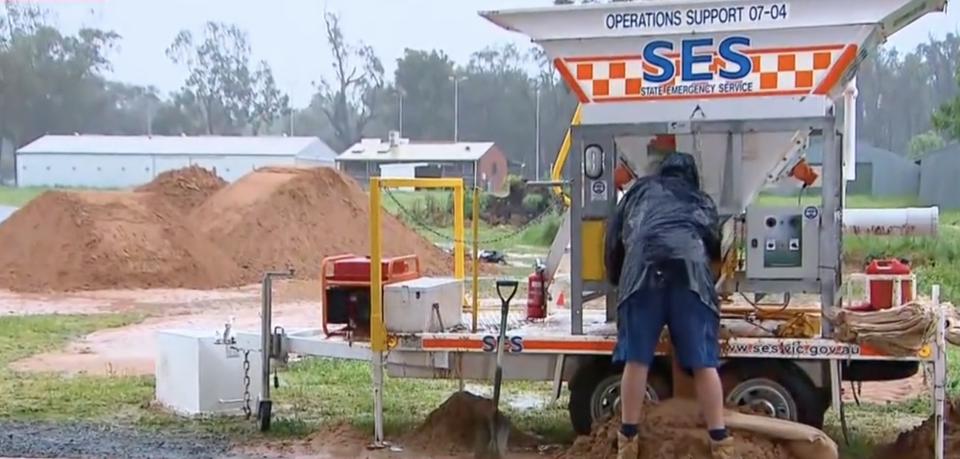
{"x":850,"y":130}
{"x":907,"y":221}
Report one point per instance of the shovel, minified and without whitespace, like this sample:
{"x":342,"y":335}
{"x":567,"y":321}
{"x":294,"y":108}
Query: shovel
{"x":492,"y":435}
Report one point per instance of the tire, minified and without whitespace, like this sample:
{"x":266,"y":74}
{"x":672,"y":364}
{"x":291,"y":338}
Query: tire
{"x":595,"y":393}
{"x":778,"y":386}
{"x":264,"y":414}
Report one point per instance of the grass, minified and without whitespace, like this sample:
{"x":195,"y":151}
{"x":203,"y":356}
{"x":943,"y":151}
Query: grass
{"x":315,"y":391}
{"x":16,"y":196}
{"x":51,"y":397}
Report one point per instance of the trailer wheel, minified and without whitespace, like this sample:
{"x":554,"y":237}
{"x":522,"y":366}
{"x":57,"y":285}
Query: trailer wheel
{"x":595,"y":393}
{"x":780,"y":389}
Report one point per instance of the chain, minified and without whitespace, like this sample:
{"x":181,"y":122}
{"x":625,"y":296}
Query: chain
{"x":428,"y":228}
{"x":247,"y":411}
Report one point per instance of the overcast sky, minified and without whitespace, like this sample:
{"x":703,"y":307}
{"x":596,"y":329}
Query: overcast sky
{"x":289,"y":34}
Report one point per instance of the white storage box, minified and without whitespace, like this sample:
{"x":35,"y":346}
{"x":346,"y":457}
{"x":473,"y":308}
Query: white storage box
{"x":197,"y":376}
{"x":408,"y":307}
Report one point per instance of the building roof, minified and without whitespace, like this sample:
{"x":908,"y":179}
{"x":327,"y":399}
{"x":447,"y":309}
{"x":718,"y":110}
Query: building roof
{"x":171,"y":145}
{"x":377,"y":150}
{"x":950,"y":149}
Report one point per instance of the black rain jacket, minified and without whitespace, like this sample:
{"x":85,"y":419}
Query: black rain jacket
{"x":665,"y":229}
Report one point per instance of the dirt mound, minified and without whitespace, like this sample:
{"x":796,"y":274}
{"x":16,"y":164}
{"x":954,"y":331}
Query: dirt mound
{"x":277,"y":217}
{"x":338,"y":439}
{"x":452,"y":427}
{"x":184,"y":189}
{"x":673,"y":428}
{"x":69,"y":240}
{"x":918,"y":443}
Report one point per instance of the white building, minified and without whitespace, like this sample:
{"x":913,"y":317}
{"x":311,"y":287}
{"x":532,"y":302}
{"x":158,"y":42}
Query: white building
{"x":100,"y":161}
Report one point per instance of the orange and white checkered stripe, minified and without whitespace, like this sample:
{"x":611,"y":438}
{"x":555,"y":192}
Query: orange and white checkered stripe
{"x":775,"y":71}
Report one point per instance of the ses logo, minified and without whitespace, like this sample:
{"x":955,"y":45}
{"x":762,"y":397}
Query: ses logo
{"x":514,"y":344}
{"x":694,"y":70}
{"x":697,"y":51}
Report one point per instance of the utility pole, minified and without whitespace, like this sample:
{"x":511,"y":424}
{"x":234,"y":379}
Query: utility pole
{"x":456,"y":105}
{"x":400,"y":95}
{"x":536,"y":164}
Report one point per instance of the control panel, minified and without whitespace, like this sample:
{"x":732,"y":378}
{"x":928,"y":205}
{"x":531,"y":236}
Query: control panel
{"x":782,"y":242}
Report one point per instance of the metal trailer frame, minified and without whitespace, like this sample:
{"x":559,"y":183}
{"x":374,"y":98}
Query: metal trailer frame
{"x":445,"y":352}
{"x":463,"y":355}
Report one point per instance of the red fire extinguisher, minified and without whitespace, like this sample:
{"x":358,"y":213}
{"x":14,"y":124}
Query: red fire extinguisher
{"x":537,"y":294}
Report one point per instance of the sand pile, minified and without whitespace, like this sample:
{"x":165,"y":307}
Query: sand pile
{"x":452,"y":427}
{"x":278,"y":217}
{"x":918,"y":443}
{"x":69,"y":240}
{"x":186,"y":188}
{"x":671,"y":429}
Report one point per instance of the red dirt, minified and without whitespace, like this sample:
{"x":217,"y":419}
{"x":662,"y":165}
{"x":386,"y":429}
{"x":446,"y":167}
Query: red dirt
{"x":69,"y":240}
{"x":671,"y":429}
{"x":918,"y":443}
{"x":277,"y":217}
{"x":184,"y":189}
{"x":452,"y":427}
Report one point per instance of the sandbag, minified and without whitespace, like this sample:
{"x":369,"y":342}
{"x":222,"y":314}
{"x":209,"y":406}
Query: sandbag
{"x":803,"y":441}
{"x":898,"y":331}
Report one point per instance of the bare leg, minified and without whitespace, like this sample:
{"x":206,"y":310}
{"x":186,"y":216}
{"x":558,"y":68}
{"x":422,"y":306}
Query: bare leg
{"x":633,"y":390}
{"x":710,"y":396}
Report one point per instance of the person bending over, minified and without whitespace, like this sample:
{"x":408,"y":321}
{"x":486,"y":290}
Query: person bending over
{"x":658,"y":249}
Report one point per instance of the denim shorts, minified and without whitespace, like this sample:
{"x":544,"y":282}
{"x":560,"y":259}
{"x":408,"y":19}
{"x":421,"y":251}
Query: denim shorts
{"x":694,"y":327}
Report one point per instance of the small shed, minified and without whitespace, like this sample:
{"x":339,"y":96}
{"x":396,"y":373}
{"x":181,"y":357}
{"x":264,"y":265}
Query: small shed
{"x":940,"y":173}
{"x":476,"y":162}
{"x":101,"y":161}
{"x":880,"y":172}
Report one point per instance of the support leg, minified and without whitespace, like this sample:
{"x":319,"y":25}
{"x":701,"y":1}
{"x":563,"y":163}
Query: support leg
{"x":377,"y":371}
{"x":939,"y":376}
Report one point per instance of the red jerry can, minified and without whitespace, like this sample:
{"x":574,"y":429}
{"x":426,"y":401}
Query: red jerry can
{"x":881,"y":290}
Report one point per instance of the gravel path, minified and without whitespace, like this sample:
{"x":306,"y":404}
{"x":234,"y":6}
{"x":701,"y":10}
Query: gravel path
{"x":83,"y":440}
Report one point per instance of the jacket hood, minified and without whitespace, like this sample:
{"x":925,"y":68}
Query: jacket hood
{"x":682,"y":166}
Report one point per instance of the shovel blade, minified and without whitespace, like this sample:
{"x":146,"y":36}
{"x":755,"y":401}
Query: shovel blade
{"x":492,"y":438}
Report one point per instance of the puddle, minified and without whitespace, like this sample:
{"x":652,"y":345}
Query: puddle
{"x":521,"y":401}
{"x":170,"y":296}
{"x":36,"y":306}
{"x":131,"y":350}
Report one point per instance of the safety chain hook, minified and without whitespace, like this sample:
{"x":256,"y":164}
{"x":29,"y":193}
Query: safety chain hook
{"x":247,"y":399}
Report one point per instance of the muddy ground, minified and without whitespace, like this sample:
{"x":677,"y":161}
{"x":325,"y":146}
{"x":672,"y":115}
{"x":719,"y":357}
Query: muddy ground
{"x":129,"y":351}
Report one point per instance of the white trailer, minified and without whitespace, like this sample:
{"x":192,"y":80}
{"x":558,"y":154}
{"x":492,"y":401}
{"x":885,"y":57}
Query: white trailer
{"x":740,"y":85}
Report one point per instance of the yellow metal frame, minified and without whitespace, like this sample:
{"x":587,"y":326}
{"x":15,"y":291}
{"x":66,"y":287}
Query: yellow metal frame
{"x":557,"y":172}
{"x":378,"y":332}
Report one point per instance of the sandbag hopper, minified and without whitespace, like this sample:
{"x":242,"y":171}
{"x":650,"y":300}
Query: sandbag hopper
{"x":742,"y":87}
{"x":667,"y":62}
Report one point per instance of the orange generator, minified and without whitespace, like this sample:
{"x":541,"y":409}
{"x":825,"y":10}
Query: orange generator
{"x":345,"y":290}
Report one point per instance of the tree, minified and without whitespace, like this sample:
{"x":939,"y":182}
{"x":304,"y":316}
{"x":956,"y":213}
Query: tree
{"x":232,"y":98}
{"x":422,"y":78}
{"x":50,"y":82}
{"x":924,"y":143}
{"x":351,"y":99}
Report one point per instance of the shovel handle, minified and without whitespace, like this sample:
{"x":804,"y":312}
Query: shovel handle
{"x":502,"y":288}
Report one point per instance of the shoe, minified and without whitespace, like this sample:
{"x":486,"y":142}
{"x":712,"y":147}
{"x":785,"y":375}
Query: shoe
{"x":628,"y":447}
{"x":724,"y":449}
